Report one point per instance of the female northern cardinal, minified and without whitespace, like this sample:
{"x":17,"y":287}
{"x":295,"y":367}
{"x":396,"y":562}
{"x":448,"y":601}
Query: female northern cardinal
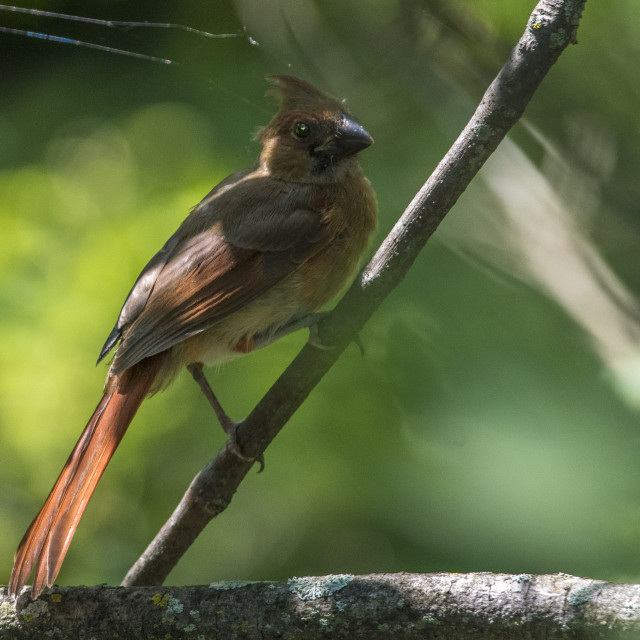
{"x":268,"y":246}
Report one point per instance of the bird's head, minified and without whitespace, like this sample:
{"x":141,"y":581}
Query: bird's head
{"x":312,"y":138}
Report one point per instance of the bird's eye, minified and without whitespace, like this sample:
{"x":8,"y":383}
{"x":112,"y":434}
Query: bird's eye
{"x":301,"y":130}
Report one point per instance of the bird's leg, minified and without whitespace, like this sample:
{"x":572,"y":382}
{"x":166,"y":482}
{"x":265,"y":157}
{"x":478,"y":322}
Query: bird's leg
{"x":196,"y":370}
{"x":230,"y":427}
{"x":310,"y":322}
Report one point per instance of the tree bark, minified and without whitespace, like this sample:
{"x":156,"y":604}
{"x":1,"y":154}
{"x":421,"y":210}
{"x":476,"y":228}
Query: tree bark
{"x":551,"y":28}
{"x":446,"y":606}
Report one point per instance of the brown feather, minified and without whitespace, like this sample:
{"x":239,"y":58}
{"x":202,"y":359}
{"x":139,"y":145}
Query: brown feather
{"x":294,"y":94}
{"x":209,"y":274}
{"x":47,"y":540}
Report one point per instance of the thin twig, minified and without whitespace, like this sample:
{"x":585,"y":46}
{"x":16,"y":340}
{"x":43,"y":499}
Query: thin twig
{"x":551,"y":28}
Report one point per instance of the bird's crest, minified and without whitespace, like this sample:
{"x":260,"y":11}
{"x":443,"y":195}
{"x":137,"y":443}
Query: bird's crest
{"x":293,"y":94}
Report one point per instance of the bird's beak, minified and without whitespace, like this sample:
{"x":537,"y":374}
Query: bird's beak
{"x":350,"y":137}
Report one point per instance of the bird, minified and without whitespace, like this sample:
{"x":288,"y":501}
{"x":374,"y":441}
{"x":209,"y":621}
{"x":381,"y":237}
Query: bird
{"x":266,"y":249}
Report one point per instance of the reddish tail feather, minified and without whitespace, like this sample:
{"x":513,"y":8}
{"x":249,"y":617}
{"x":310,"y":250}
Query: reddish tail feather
{"x":47,"y":540}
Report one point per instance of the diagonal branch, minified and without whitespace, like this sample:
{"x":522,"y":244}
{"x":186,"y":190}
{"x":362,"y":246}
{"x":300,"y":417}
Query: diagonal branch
{"x":551,"y":28}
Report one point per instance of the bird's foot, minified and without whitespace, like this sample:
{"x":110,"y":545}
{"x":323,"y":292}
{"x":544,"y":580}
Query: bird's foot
{"x":315,"y":340}
{"x":229,"y":426}
{"x":231,"y":429}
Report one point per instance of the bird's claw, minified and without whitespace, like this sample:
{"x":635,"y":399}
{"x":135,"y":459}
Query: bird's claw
{"x":316,"y":341}
{"x":231,"y":429}
{"x":358,"y":342}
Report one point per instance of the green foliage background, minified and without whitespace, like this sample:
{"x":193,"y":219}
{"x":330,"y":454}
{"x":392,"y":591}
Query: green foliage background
{"x":482,"y":431}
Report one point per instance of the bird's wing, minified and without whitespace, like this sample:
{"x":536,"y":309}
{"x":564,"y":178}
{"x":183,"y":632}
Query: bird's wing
{"x":139,"y":295}
{"x":231,"y":250}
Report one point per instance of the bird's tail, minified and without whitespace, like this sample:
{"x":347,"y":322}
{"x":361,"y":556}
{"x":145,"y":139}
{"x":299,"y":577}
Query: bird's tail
{"x":47,"y":539}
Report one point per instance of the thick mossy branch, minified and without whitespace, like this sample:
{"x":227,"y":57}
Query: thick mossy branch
{"x":445,"y":606}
